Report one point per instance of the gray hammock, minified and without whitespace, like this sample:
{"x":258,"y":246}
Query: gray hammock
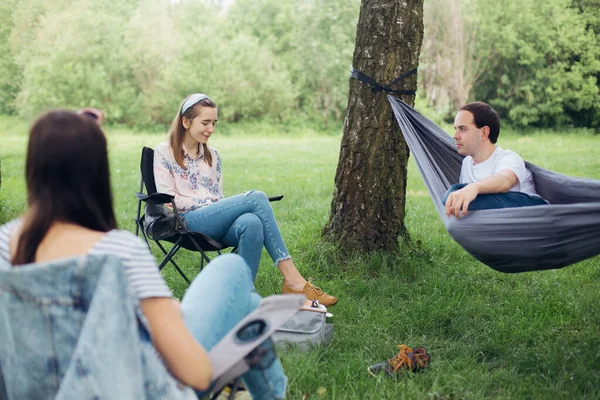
{"x":512,"y":239}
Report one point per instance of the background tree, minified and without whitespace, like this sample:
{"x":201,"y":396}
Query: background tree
{"x":367,"y":211}
{"x":546,"y":61}
{"x":10,"y":75}
{"x":77,"y":57}
{"x":452,"y":58}
{"x":536,"y":62}
{"x":153,"y":46}
{"x":312,"y":40}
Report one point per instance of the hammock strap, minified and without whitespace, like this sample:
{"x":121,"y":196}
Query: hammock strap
{"x":377,"y":87}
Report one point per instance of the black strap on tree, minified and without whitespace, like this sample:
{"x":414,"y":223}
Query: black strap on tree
{"x":377,"y":87}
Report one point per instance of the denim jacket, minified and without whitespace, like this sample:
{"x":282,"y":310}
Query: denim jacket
{"x":72,"y":329}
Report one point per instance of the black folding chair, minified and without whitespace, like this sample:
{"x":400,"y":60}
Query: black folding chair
{"x":186,"y":239}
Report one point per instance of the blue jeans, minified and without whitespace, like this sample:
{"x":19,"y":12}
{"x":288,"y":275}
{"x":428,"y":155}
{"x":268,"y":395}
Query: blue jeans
{"x":497,"y":200}
{"x":244,"y":220}
{"x":220,"y":296}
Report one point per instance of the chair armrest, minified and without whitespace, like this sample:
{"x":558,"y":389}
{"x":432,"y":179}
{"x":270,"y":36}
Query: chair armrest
{"x":155,"y":198}
{"x":198,"y":235}
{"x":160,"y":198}
{"x":163,"y":198}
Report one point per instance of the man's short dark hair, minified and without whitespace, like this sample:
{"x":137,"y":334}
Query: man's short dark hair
{"x":484,"y":115}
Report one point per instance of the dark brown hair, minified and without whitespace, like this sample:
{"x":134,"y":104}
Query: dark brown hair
{"x":67,"y":177}
{"x":484,"y":115}
{"x":177,"y":130}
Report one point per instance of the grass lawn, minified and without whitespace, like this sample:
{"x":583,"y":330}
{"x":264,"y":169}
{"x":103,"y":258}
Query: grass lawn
{"x":490,"y":335}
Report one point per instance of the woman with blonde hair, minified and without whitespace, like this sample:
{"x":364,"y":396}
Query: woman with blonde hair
{"x":189,"y":169}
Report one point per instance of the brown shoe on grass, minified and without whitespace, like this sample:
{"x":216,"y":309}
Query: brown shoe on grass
{"x":407,"y":358}
{"x":311,"y":292}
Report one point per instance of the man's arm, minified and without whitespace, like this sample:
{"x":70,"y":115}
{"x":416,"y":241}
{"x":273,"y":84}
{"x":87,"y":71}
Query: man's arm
{"x":498,"y":183}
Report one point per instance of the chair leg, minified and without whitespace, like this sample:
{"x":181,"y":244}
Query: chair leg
{"x":139,"y":210}
{"x":145,"y":238}
{"x":234,"y":385}
{"x":139,"y":227}
{"x":234,"y":388}
{"x":203,"y":256}
{"x":169,"y":258}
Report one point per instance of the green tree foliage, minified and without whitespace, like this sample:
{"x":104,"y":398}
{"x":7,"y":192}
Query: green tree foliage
{"x":138,"y":60}
{"x":237,"y":71}
{"x":77,"y":58}
{"x":152,"y":48}
{"x":537,"y":62}
{"x":10,"y":74}
{"x":545,"y":63}
{"x":450,"y":62}
{"x":590,"y":10}
{"x":541,"y":60}
{"x":313,"y":39}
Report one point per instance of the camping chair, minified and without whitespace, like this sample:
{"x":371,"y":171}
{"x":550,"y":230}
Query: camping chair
{"x":71,"y":329}
{"x":193,"y":241}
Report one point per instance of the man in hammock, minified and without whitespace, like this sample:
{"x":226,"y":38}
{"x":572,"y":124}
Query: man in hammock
{"x":490,"y":176}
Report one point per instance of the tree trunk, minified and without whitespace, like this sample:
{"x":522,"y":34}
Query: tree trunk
{"x":367,"y":211}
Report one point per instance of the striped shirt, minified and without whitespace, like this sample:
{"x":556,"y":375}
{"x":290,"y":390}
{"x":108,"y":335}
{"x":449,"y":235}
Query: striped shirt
{"x":139,"y":263}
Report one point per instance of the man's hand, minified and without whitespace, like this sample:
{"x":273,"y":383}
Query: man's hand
{"x":459,"y":201}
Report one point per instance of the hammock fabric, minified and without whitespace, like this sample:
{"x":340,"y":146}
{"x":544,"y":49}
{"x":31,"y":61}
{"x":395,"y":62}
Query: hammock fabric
{"x":511,"y":239}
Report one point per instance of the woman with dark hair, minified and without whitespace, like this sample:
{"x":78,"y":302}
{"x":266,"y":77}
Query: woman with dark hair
{"x":187,"y":168}
{"x":71,"y":214}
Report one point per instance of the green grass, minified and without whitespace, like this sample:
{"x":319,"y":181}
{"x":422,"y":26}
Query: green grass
{"x":490,"y":335}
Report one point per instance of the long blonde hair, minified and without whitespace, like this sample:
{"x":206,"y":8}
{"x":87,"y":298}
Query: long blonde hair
{"x":177,"y":131}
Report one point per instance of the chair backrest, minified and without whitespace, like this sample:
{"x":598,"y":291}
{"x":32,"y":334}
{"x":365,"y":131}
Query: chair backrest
{"x":73,"y":329}
{"x":147,"y":169}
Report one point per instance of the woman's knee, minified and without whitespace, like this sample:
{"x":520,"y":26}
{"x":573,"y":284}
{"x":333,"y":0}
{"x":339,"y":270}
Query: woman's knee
{"x":228,"y":266}
{"x":227,"y":277}
{"x":259,"y":196}
{"x":255,"y":300}
{"x":251,"y":225}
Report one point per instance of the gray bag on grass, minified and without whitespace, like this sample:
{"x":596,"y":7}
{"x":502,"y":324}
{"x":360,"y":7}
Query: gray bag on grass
{"x":228,"y":356}
{"x":306,"y":329}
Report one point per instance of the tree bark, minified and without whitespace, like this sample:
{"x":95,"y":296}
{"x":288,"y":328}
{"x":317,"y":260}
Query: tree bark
{"x":367,"y":211}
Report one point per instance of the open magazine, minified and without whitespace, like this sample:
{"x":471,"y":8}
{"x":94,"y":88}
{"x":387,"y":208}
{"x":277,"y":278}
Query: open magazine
{"x":228,"y":357}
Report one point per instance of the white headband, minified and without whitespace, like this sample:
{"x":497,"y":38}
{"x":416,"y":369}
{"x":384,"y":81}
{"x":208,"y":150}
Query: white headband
{"x":193,"y":99}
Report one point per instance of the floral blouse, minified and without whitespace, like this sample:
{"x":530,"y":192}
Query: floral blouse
{"x":197,"y":186}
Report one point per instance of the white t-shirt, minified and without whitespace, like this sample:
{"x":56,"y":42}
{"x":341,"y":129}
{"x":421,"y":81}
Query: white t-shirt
{"x":499,"y":160}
